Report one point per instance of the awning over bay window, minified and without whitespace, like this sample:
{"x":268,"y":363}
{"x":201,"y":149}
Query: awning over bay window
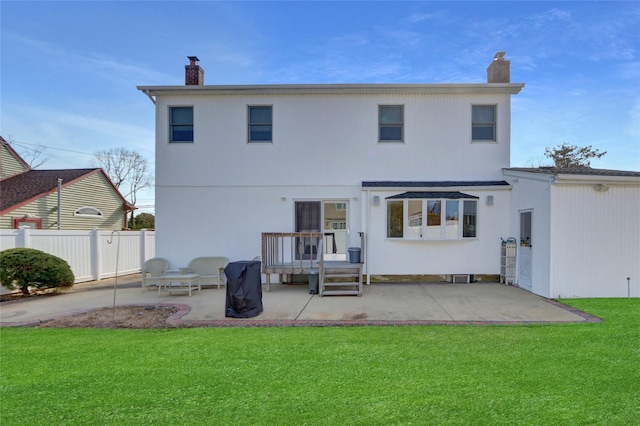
{"x":432,"y":194}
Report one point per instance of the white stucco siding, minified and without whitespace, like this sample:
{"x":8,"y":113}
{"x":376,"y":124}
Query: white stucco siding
{"x":330,"y":139}
{"x":228,"y":221}
{"x":481,"y":255}
{"x":596,"y":241}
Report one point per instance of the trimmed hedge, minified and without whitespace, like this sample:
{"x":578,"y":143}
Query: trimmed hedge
{"x":22,"y":268}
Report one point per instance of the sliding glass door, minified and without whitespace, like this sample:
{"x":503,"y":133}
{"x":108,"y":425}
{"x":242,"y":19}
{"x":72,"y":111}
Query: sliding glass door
{"x":330,"y":218}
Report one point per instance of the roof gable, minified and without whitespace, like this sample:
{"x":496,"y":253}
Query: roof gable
{"x":26,"y":187}
{"x":11,"y":162}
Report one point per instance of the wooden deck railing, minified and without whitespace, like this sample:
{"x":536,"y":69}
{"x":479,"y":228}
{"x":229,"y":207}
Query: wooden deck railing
{"x":286,"y":253}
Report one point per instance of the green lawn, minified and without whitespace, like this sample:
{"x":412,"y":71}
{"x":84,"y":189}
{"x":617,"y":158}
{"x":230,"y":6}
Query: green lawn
{"x":567,"y":374}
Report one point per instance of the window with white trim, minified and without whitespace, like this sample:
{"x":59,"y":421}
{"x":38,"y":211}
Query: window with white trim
{"x":432,"y":216}
{"x":88,"y":211}
{"x":181,"y":124}
{"x":261,"y":123}
{"x":483,"y":123}
{"x":390,"y":123}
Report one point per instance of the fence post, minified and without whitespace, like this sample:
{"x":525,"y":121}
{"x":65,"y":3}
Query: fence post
{"x":143,"y":246}
{"x":24,"y":238}
{"x":95,"y":254}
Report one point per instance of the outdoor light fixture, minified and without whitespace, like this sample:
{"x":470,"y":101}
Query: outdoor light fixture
{"x":376,"y":200}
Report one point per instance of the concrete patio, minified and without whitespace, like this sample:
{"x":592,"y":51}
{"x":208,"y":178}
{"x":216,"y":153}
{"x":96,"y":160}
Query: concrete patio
{"x":292,"y":305}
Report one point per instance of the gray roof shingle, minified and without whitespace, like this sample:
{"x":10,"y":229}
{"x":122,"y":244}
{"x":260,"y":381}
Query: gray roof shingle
{"x":17,"y":189}
{"x":584,"y":171}
{"x":432,"y":184}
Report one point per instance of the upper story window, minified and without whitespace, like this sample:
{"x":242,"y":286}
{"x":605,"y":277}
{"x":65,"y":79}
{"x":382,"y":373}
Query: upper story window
{"x":390,"y":123}
{"x":181,"y":124}
{"x":421,"y":216}
{"x":260,"y":124}
{"x":88,"y":211}
{"x":483,"y":123}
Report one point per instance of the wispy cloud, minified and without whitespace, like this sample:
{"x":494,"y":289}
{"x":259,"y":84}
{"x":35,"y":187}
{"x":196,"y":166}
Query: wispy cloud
{"x":78,"y":132}
{"x":93,"y":63}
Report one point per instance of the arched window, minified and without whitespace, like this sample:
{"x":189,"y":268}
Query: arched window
{"x":88,"y":211}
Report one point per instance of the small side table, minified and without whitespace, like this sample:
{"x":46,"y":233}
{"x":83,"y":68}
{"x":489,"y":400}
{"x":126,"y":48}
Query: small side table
{"x":188,"y":282}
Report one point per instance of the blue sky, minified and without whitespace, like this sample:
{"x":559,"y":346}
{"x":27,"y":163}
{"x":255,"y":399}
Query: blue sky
{"x":69,"y":70}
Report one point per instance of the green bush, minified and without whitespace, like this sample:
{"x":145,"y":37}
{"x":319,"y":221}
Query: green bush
{"x":21,"y":268}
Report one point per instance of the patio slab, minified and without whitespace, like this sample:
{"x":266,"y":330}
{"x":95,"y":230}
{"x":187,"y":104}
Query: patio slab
{"x":387,"y":303}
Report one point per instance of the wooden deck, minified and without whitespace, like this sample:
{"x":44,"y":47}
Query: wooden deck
{"x":287,"y":253}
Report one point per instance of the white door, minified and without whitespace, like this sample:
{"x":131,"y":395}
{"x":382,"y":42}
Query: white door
{"x":525,"y":252}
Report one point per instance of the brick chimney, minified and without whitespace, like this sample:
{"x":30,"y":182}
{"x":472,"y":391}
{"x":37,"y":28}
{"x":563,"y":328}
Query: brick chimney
{"x":194,"y":75}
{"x":499,"y":70}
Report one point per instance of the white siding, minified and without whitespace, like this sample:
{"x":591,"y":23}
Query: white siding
{"x":229,"y":221}
{"x":390,"y":256}
{"x":534,"y":194}
{"x":315,"y":133}
{"x":217,"y":195}
{"x":596,"y":241}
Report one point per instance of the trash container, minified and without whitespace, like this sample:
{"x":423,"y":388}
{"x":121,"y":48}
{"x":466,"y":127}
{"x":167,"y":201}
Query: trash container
{"x":244,"y":289}
{"x":354,"y":254}
{"x":314,"y":275}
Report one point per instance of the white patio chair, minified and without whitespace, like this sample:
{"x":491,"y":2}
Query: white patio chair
{"x":152,"y":269}
{"x":210,"y":269}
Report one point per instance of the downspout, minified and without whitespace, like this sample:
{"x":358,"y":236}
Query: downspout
{"x":367,"y":236}
{"x":551,"y":272}
{"x":59,"y":200}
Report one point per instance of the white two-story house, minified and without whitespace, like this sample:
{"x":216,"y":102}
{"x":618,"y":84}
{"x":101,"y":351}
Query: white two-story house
{"x":415,"y":175}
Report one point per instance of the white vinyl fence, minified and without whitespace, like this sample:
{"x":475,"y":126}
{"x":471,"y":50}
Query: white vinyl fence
{"x":89,"y":253}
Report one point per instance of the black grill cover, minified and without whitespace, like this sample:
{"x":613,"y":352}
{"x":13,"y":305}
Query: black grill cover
{"x":244,"y":289}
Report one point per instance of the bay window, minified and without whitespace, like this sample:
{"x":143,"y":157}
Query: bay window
{"x":443,"y":210}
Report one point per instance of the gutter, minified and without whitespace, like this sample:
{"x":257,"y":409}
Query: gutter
{"x":478,"y":88}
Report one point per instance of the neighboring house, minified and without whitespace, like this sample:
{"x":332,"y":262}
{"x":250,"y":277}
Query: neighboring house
{"x":88,"y":199}
{"x":578,"y":231}
{"x":416,"y":168}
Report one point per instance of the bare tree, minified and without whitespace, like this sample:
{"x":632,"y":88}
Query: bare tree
{"x":564,"y":155}
{"x":128,"y":170}
{"x":32,"y":154}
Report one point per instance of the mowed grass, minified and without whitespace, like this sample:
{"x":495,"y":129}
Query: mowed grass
{"x":565,"y":374}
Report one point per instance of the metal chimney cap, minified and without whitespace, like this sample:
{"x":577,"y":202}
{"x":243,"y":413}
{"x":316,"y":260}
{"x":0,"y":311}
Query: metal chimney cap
{"x":193,"y":58}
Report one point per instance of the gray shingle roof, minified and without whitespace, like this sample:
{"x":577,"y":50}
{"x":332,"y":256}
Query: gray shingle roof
{"x":25,"y":186}
{"x":432,"y":184}
{"x":584,"y":171}
{"x":432,"y":194}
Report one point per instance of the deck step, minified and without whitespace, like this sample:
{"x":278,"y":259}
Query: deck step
{"x":341,"y":284}
{"x":342,"y":276}
{"x":347,"y":280}
{"x":341,"y":293}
